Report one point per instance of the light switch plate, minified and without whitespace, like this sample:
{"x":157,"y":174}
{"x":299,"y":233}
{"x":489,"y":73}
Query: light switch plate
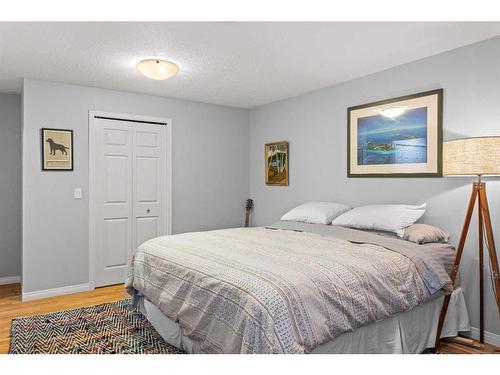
{"x":78,"y":193}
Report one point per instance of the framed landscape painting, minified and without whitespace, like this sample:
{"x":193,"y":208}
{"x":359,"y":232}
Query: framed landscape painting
{"x":399,"y":137}
{"x":276,"y":163}
{"x":57,"y":149}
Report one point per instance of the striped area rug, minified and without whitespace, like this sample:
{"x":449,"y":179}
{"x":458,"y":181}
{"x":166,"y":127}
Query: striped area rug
{"x":110,"y":328}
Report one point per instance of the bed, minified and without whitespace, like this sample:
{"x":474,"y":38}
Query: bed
{"x":295,"y":288}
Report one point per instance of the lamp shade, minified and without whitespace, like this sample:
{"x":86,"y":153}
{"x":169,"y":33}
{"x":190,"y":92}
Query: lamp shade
{"x":472,"y":156}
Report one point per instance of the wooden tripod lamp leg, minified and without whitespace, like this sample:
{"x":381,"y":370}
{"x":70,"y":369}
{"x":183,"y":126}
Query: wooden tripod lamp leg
{"x":491,"y":244}
{"x":480,"y":242}
{"x":458,"y":256}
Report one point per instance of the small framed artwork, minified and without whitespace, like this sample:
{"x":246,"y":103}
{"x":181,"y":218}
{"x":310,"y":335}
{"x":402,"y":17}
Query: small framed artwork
{"x":57,"y":149}
{"x":276,"y":163}
{"x":399,"y":137}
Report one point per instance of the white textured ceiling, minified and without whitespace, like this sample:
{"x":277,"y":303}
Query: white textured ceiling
{"x":230,"y":63}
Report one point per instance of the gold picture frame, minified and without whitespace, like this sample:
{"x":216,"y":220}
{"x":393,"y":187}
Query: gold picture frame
{"x":57,"y":149}
{"x":276,"y":163}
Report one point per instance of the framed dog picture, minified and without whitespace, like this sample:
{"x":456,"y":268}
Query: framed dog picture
{"x":399,"y":137}
{"x":57,"y":149}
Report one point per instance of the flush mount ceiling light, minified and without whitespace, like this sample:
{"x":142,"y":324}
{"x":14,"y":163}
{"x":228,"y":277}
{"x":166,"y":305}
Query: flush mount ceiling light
{"x":392,"y":112}
{"x":157,"y":69}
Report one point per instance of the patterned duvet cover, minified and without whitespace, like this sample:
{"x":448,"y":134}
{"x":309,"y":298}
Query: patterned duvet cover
{"x":286,"y":288}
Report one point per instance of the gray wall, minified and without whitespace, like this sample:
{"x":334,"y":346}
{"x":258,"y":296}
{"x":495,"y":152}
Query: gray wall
{"x":210,"y":173}
{"x":10,"y":185}
{"x":315,"y":126}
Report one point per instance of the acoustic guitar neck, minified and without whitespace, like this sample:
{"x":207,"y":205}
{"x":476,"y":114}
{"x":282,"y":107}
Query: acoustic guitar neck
{"x":248,"y":208}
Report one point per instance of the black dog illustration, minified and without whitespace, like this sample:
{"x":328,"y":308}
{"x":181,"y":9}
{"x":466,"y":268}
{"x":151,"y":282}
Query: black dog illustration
{"x":56,"y":146}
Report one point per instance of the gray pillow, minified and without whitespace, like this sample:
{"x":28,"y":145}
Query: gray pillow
{"x":423,"y":233}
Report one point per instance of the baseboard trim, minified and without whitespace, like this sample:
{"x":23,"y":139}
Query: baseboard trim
{"x":10,"y":280}
{"x":489,"y":337}
{"x":27,"y":296}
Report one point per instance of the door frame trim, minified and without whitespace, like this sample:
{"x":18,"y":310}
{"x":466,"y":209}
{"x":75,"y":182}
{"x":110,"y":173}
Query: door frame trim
{"x":91,"y":161}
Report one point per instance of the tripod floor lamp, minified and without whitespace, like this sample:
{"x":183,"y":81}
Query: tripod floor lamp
{"x":474,"y":157}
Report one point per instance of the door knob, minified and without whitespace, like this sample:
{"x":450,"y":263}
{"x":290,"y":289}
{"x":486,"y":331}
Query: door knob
{"x":148,"y":210}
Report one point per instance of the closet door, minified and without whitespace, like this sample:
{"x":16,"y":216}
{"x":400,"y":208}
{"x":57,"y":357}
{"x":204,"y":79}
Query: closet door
{"x":113,"y":198}
{"x":149,"y":192}
{"x":130,"y":193}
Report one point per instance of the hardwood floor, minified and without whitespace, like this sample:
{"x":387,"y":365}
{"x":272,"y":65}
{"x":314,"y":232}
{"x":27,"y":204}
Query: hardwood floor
{"x":11,"y":306}
{"x":450,"y":347}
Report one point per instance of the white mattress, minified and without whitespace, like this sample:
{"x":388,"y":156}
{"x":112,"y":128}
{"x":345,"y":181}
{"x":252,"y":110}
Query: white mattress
{"x":408,"y":332}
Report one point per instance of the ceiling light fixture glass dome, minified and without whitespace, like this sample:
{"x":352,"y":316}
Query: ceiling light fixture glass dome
{"x":157,"y":69}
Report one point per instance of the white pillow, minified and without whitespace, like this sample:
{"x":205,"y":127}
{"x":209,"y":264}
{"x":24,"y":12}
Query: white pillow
{"x":386,"y":217}
{"x":316,"y":212}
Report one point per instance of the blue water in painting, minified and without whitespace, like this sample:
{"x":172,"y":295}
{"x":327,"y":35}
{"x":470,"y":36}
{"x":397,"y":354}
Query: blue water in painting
{"x":400,"y":140}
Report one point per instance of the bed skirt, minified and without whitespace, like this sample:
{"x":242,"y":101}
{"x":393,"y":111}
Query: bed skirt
{"x":409,"y":332}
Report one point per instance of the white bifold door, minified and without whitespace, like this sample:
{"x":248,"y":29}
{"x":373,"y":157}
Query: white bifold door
{"x":129,"y":193}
